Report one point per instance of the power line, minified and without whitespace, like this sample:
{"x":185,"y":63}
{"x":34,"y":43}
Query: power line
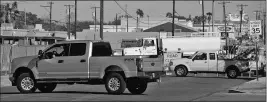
{"x":224,"y":16}
{"x":134,"y":17}
{"x":51,"y":3}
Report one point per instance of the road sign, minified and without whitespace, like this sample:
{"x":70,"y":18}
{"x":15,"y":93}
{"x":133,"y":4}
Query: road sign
{"x":255,"y":27}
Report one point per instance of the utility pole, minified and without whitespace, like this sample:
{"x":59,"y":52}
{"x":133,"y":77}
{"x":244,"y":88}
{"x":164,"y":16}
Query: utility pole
{"x":257,"y":14}
{"x":116,"y":22}
{"x":25,"y":18}
{"x":224,"y":17}
{"x":101,"y":18}
{"x":127,"y":17}
{"x":50,"y":14}
{"x":264,"y":30}
{"x":213,"y":13}
{"x":173,"y":11}
{"x":69,"y":27}
{"x":203,"y":22}
{"x":95,"y":15}
{"x":148,"y":20}
{"x":75,"y":20}
{"x":241,"y":15}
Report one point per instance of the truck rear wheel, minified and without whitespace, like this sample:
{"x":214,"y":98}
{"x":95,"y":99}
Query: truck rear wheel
{"x":115,"y":83}
{"x":47,"y":87}
{"x":232,"y":73}
{"x":180,"y":71}
{"x":137,"y":87}
{"x":26,"y":83}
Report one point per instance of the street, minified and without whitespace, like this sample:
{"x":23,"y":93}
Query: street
{"x":190,"y":88}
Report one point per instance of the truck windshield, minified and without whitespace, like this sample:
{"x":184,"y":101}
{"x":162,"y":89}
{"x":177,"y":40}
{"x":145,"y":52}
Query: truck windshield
{"x":192,"y":55}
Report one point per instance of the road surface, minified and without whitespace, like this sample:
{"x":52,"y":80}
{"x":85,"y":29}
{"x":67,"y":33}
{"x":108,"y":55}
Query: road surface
{"x":191,"y":88}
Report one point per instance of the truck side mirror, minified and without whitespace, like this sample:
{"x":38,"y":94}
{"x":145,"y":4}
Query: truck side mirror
{"x":40,"y":52}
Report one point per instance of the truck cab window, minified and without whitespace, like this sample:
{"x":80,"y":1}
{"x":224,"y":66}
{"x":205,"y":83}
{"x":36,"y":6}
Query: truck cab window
{"x":201,"y":56}
{"x":77,"y":49}
{"x":149,"y":42}
{"x":57,"y":51}
{"x":212,"y":56}
{"x":101,"y":49}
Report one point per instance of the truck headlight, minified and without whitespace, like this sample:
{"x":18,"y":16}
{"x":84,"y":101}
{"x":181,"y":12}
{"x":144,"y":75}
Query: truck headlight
{"x":170,"y":63}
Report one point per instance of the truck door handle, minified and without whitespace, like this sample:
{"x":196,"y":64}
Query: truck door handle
{"x":83,"y":60}
{"x":60,"y":61}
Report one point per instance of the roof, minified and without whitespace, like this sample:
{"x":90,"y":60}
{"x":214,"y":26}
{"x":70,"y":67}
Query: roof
{"x":168,"y":28}
{"x":77,"y":41}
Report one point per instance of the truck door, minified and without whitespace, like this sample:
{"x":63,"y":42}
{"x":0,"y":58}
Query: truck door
{"x":66,"y":62}
{"x":212,"y":62}
{"x":200,"y":62}
{"x":150,"y":46}
{"x":52,"y":61}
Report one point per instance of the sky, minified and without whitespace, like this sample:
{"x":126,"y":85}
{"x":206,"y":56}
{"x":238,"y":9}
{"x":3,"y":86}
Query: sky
{"x":152,"y":8}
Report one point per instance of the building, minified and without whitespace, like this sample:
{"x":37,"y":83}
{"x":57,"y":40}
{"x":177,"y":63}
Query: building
{"x":35,"y":36}
{"x":144,"y":23}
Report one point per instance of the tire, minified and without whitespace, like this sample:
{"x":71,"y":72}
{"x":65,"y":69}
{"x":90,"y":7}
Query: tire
{"x":180,"y":71}
{"x":47,"y":87}
{"x":26,"y":83}
{"x":115,"y":83}
{"x":232,"y":73}
{"x":137,"y":87}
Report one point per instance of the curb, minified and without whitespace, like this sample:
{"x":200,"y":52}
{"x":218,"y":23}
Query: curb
{"x":250,"y":90}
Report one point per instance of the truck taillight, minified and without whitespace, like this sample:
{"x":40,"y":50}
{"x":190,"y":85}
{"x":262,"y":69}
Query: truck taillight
{"x":139,"y":65}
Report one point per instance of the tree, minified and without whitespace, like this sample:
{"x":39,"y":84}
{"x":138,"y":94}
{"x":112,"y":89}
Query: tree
{"x":209,"y":14}
{"x":140,"y":14}
{"x":12,"y":12}
{"x":169,"y":15}
{"x":199,"y":19}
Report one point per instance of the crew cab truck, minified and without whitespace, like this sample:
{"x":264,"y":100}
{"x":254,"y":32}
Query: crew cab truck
{"x":84,"y":62}
{"x":208,"y":62}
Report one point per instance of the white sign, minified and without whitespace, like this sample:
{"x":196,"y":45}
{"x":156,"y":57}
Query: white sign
{"x":169,"y":56}
{"x":255,"y":27}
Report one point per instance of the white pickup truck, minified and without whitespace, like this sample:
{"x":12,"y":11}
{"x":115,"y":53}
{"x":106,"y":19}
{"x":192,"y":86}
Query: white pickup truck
{"x":208,"y":62}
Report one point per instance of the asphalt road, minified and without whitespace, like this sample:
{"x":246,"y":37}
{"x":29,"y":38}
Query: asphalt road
{"x":191,"y":88}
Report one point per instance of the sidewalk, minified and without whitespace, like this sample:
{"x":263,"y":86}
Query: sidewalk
{"x":251,"y":87}
{"x":5,"y":81}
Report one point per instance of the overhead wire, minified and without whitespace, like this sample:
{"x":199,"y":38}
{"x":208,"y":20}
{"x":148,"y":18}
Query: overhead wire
{"x":135,"y":18}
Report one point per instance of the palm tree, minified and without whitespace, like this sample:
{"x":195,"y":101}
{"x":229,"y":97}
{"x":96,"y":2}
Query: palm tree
{"x":140,"y":14}
{"x":169,"y":15}
{"x":209,"y":18}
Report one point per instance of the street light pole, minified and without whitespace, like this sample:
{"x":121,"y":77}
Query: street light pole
{"x":101,"y":18}
{"x":173,"y":11}
{"x":203,"y":22}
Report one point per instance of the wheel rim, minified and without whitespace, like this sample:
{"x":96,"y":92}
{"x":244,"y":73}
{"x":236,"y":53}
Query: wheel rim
{"x":114,"y":84}
{"x":180,"y":71}
{"x":27,"y":83}
{"x":232,"y":73}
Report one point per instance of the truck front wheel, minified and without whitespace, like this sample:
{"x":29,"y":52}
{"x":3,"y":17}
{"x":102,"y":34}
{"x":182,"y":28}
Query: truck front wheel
{"x":232,"y":73}
{"x":181,"y":71}
{"x":115,"y":83}
{"x":47,"y":87}
{"x":137,"y":87}
{"x":26,"y":83}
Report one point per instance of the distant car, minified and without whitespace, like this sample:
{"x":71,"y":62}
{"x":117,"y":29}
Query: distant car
{"x":208,"y":62}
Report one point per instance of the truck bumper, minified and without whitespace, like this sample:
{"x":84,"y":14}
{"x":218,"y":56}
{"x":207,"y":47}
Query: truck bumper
{"x":151,"y":76}
{"x":12,"y":79}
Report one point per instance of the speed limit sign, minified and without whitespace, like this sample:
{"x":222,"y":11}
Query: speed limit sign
{"x":255,"y":27}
